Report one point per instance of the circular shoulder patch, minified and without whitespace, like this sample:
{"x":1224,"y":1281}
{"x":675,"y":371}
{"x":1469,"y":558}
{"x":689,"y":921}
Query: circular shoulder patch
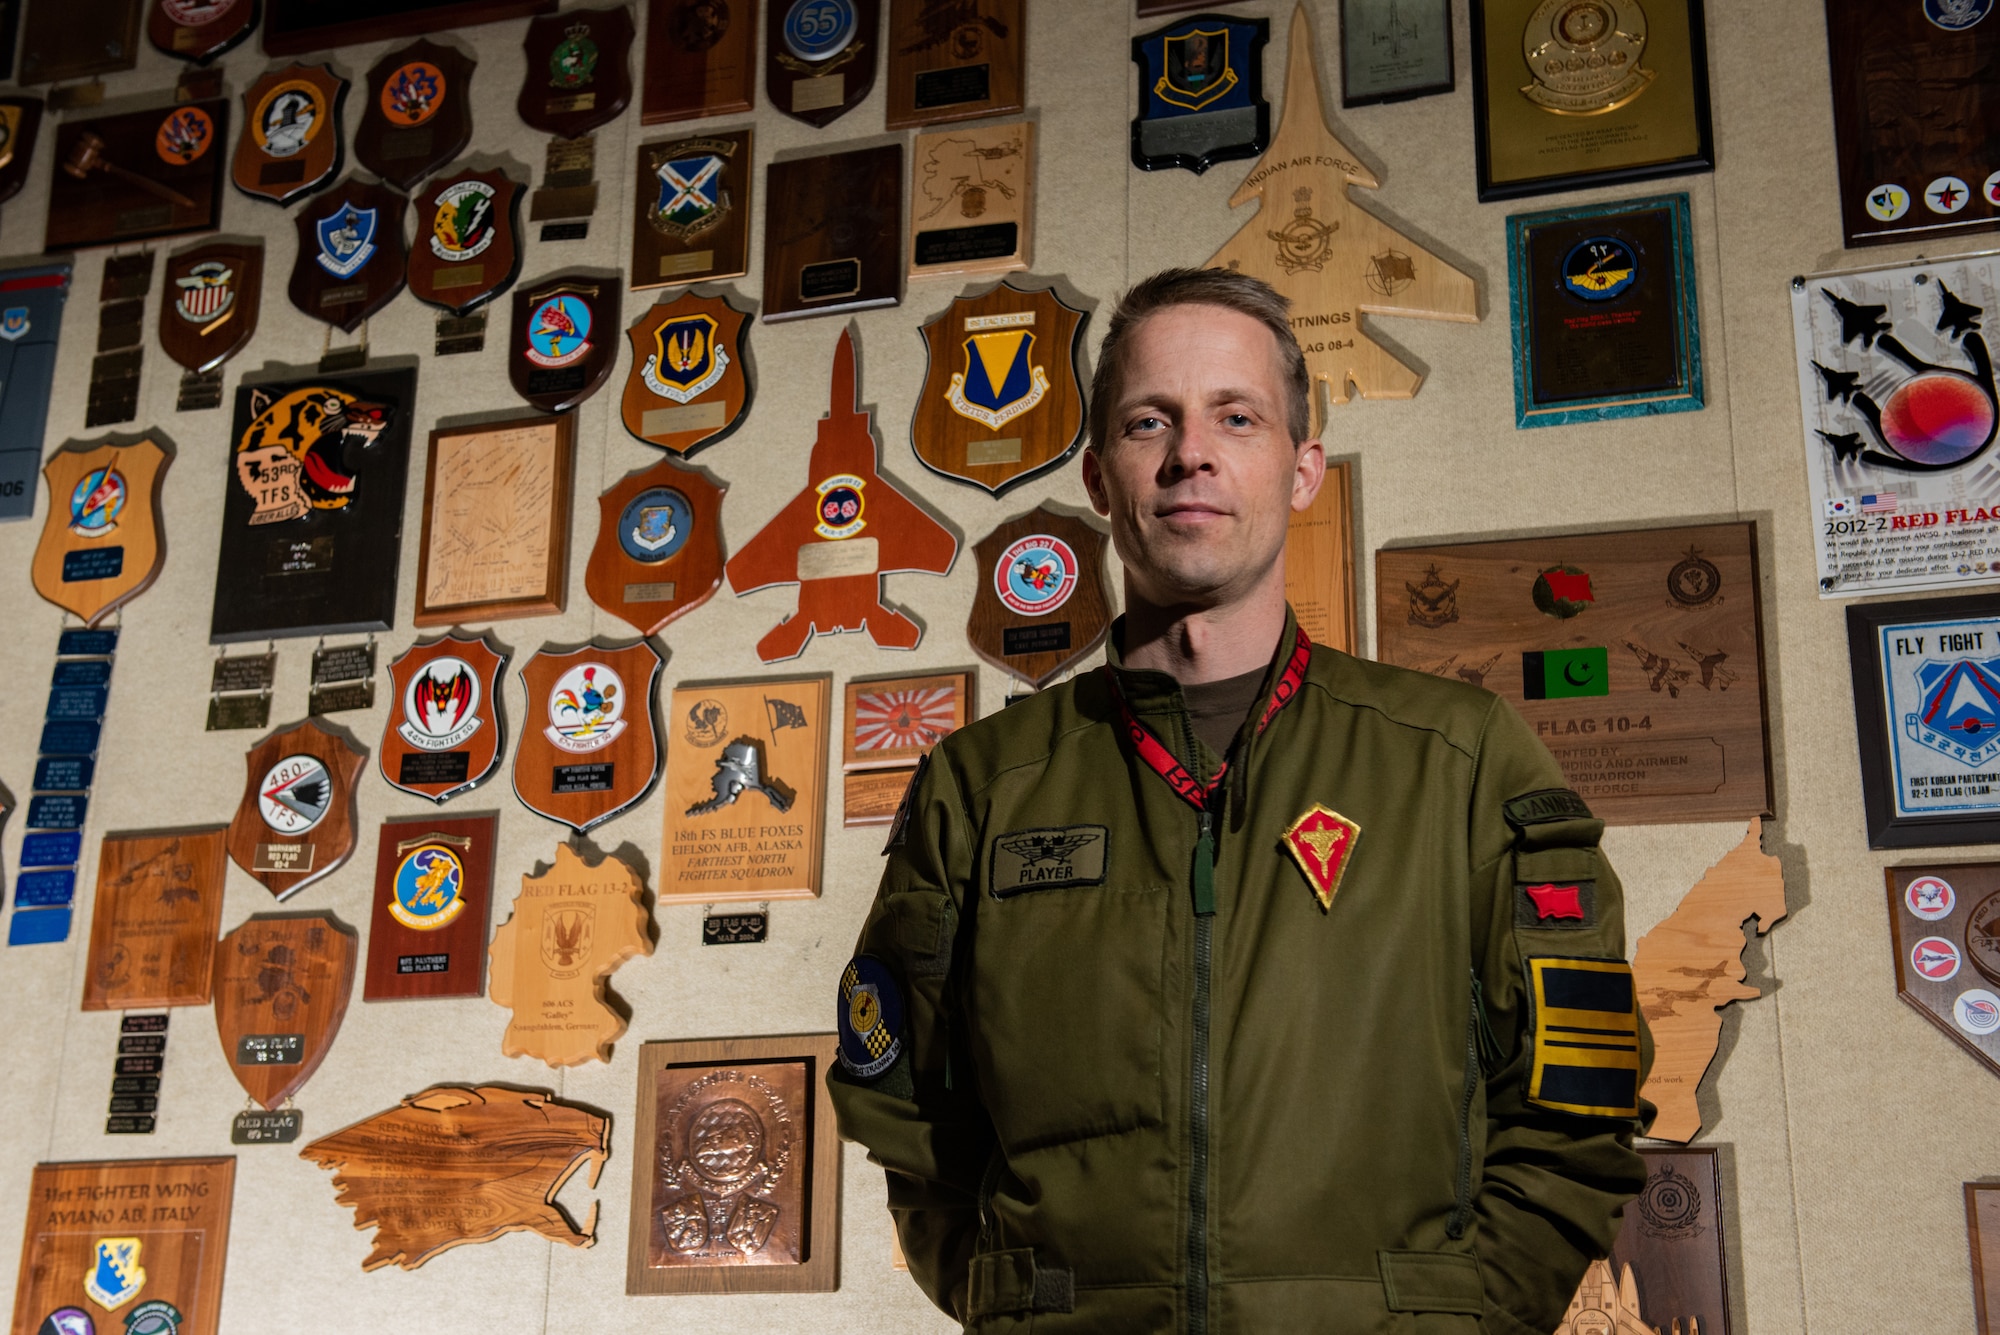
{"x":871,"y":1018}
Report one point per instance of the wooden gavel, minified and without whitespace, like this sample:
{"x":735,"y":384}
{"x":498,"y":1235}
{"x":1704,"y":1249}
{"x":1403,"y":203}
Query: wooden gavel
{"x":86,"y":155}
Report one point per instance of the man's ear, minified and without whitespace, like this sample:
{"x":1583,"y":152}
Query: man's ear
{"x":1308,"y":472}
{"x":1093,"y":481}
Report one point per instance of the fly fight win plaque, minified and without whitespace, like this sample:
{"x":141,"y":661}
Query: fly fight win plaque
{"x":468,"y":248}
{"x":833,"y":230}
{"x":137,"y":175}
{"x":952,"y":61}
{"x":1637,"y":656}
{"x":443,"y":735}
{"x":693,"y":210}
{"x":689,"y":385}
{"x":417,"y":115}
{"x":588,"y":749}
{"x":1040,"y":605}
{"x":350,"y":260}
{"x":564,"y":340}
{"x":282,"y":982}
{"x":433,"y":893}
{"x":495,"y":542}
{"x":312,"y":513}
{"x":1392,"y":50}
{"x":972,"y":199}
{"x":659,"y":546}
{"x":154,"y":924}
{"x":746,"y":790}
{"x":291,"y":141}
{"x":210,"y":304}
{"x":579,"y":74}
{"x":295,"y":823}
{"x":820,"y":55}
{"x":1944,"y":926}
{"x":102,"y":543}
{"x":700,"y":59}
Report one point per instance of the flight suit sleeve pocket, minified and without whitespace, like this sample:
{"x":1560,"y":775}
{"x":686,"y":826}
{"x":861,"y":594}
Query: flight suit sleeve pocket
{"x":1555,"y":889}
{"x":1431,"y":1282}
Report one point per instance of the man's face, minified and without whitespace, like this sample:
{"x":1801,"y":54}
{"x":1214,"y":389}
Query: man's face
{"x":1199,"y":475}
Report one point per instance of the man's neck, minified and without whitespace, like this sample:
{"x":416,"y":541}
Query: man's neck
{"x":1207,"y":644}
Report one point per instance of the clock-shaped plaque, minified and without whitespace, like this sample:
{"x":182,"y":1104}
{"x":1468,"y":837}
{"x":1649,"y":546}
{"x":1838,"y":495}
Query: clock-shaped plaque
{"x":564,"y":340}
{"x":688,"y":386}
{"x":20,"y":122}
{"x":101,"y":544}
{"x":291,"y":140}
{"x":443,"y":735}
{"x":588,"y":748}
{"x":468,"y":247}
{"x":282,"y":982}
{"x":579,"y":74}
{"x":209,"y":308}
{"x":350,"y":260}
{"x":136,"y":175}
{"x":418,"y":113}
{"x":1039,"y":605}
{"x":819,"y":56}
{"x":659,"y":546}
{"x":199,"y":30}
{"x":295,"y":823}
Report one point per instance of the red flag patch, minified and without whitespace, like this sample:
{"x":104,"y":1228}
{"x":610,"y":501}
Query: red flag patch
{"x":1569,"y":588}
{"x":1321,"y":841}
{"x":1555,"y":901}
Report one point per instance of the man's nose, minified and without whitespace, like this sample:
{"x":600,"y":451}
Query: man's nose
{"x":1189,"y":450}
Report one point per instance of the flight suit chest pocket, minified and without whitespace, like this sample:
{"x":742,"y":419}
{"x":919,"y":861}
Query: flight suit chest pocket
{"x":1050,"y":858}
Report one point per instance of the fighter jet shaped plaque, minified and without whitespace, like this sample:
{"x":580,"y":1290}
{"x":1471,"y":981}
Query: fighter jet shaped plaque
{"x":1335,"y":260}
{"x":688,"y":386}
{"x":839,"y":536}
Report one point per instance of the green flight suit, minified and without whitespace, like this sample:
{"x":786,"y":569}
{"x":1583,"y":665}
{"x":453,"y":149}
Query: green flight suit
{"x":1111,"y":1112}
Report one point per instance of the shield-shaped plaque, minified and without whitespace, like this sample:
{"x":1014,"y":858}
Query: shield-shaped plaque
{"x":1040,"y":604}
{"x":350,"y":260}
{"x":20,"y":121}
{"x":209,"y":309}
{"x":1945,"y":929}
{"x":659,"y":546}
{"x":468,"y":248}
{"x":588,"y":749}
{"x":101,"y":544}
{"x":819,"y":56}
{"x":1001,"y":402}
{"x":700,"y":59}
{"x":693,"y":210}
{"x":281,"y":987}
{"x":443,"y":734}
{"x":1210,"y":66}
{"x":688,"y":386}
{"x":418,"y":115}
{"x":199,"y":30}
{"x":564,"y":340}
{"x":137,"y":175}
{"x":291,"y":140}
{"x":296,"y":820}
{"x":579,"y":71}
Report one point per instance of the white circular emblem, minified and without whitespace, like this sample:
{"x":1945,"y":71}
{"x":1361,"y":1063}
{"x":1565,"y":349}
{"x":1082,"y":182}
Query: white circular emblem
{"x":1035,"y":575}
{"x":295,"y":794}
{"x":1936,"y":959}
{"x":440,"y":707}
{"x":1977,"y":1012}
{"x":1947,"y":194}
{"x":1992,"y":188}
{"x":1886,"y":203}
{"x":1930,"y":898}
{"x":586,"y":708}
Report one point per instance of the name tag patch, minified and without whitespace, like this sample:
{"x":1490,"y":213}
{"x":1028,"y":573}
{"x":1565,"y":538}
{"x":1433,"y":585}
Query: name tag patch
{"x":1555,"y":905}
{"x":1543,"y":806}
{"x":1024,"y":860}
{"x":1586,"y":1023}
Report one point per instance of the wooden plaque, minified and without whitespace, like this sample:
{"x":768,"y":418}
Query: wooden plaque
{"x":433,"y":895}
{"x":693,"y":203}
{"x":102,"y":543}
{"x":417,"y":115}
{"x":833,"y":232}
{"x":892,"y":723}
{"x":295,"y":26}
{"x":1669,"y":1268}
{"x":443,"y":735}
{"x":208,"y":309}
{"x":688,"y":386}
{"x":1982,"y":1229}
{"x":1334,"y":259}
{"x":954,"y":61}
{"x":837,"y":538}
{"x":1000,"y":402}
{"x":495,"y":542}
{"x":972,"y":200}
{"x":579,"y":73}
{"x":295,"y":822}
{"x":281,"y":986}
{"x":457,"y":1164}
{"x":819,"y":56}
{"x":700,"y":59}
{"x":767,"y":1221}
{"x":1637,"y":655}
{"x":588,"y":748}
{"x":291,"y":142}
{"x":199,"y":30}
{"x":564,"y":340}
{"x":155,"y":920}
{"x":20,"y":126}
{"x":468,"y":248}
{"x":350,"y":261}
{"x":1944,"y":924}
{"x":137,"y":175}
{"x":659,"y":546}
{"x":169,"y":1250}
{"x":1039,"y":605}
{"x":74,"y":39}
{"x":1319,"y":563}
{"x":570,"y":929}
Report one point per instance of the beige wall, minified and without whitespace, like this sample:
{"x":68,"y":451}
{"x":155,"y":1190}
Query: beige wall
{"x":1848,"y":1123}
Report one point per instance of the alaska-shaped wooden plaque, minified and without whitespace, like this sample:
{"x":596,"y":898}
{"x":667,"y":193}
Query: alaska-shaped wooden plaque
{"x":972,"y":200}
{"x":819,"y":56}
{"x":700,"y":59}
{"x":659,"y":546}
{"x":295,"y":823}
{"x":443,"y":734}
{"x":102,"y":544}
{"x":292,"y":140}
{"x":588,"y":749}
{"x":689,"y":385}
{"x":282,"y":981}
{"x":833,"y":233}
{"x":468,"y":247}
{"x":209,"y":307}
{"x":579,"y":73}
{"x":154,"y":922}
{"x":433,"y":896}
{"x":954,"y":60}
{"x":1039,"y":605}
{"x":418,"y":113}
{"x":570,"y":929}
{"x":350,"y":261}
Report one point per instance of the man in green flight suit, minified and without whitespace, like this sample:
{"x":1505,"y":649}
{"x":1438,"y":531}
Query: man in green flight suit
{"x":1243,"y":985}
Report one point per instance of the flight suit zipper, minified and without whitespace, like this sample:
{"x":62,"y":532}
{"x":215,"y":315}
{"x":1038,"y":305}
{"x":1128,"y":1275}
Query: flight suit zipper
{"x":1482,"y":1057}
{"x":1202,"y":886}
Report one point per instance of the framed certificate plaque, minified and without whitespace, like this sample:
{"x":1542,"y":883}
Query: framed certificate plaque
{"x":496,"y":521}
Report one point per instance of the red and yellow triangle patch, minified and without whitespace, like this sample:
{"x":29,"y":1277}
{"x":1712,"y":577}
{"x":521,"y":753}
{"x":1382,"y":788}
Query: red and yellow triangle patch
{"x":1321,"y":841}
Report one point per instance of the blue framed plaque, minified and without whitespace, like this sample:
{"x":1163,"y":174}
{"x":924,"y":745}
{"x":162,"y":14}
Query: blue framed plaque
{"x":1604,"y":310}
{"x":53,"y":887}
{"x":1201,"y":93}
{"x":38,"y":927}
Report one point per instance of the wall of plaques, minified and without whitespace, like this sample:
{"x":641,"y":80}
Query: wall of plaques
{"x":482,"y":338}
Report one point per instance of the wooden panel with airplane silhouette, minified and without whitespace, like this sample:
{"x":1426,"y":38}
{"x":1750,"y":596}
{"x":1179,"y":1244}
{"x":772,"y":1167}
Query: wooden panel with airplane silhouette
{"x":153,"y":927}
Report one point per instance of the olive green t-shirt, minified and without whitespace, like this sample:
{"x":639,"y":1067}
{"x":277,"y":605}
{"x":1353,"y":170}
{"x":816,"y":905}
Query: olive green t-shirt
{"x":1217,"y":708}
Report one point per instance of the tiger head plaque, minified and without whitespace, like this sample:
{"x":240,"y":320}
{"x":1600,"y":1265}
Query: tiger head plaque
{"x":418,"y":114}
{"x":136,"y":175}
{"x":819,"y":56}
{"x":443,"y":733}
{"x":563,"y":341}
{"x":210,"y":305}
{"x":1040,"y":605}
{"x":101,"y":543}
{"x":199,"y":30}
{"x":1001,"y":402}
{"x":282,"y":981}
{"x":588,"y":748}
{"x":350,"y":260}
{"x":659,"y":546}
{"x":468,"y":248}
{"x":579,"y":71}
{"x":688,"y":386}
{"x":291,"y":140}
{"x":20,"y":122}
{"x":295,"y":823}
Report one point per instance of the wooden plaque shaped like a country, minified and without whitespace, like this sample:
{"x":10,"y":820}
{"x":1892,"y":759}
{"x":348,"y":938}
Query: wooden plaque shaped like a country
{"x":819,"y":56}
{"x":136,"y":175}
{"x":455,"y":1164}
{"x":20,"y":124}
{"x":1944,"y":925}
{"x":563,"y":340}
{"x":468,"y":247}
{"x":199,"y":30}
{"x":166,"y":1244}
{"x":700,"y":59}
{"x":1319,"y":563}
{"x":209,"y":306}
{"x":1039,"y":605}
{"x":950,"y":60}
{"x":692,"y":210}
{"x":281,"y":986}
{"x":433,"y":894}
{"x":689,"y":385}
{"x":153,"y":926}
{"x":295,"y":823}
{"x":570,"y":929}
{"x":1636,"y":655}
{"x":972,"y":200}
{"x":1000,"y":402}
{"x":588,"y":748}
{"x":579,"y":73}
{"x":443,"y":734}
{"x":350,"y":261}
{"x":833,"y":233}
{"x":1334,"y":259}
{"x":659,"y":546}
{"x":291,"y":140}
{"x":418,"y":113}
{"x":102,"y":544}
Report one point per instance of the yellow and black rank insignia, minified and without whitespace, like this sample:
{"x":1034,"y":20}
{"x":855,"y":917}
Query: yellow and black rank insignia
{"x":1586,"y":1020}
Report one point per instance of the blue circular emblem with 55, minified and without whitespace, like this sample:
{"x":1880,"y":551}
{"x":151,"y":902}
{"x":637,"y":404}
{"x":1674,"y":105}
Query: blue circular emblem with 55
{"x":1599,"y":268}
{"x":819,"y":30}
{"x":655,"y":525}
{"x":1956,"y":15}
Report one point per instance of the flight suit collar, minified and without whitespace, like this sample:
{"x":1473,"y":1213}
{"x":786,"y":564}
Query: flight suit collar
{"x":1156,"y":696}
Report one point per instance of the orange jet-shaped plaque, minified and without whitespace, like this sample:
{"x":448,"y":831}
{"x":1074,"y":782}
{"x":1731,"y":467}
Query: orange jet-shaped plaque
{"x":1321,"y":841}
